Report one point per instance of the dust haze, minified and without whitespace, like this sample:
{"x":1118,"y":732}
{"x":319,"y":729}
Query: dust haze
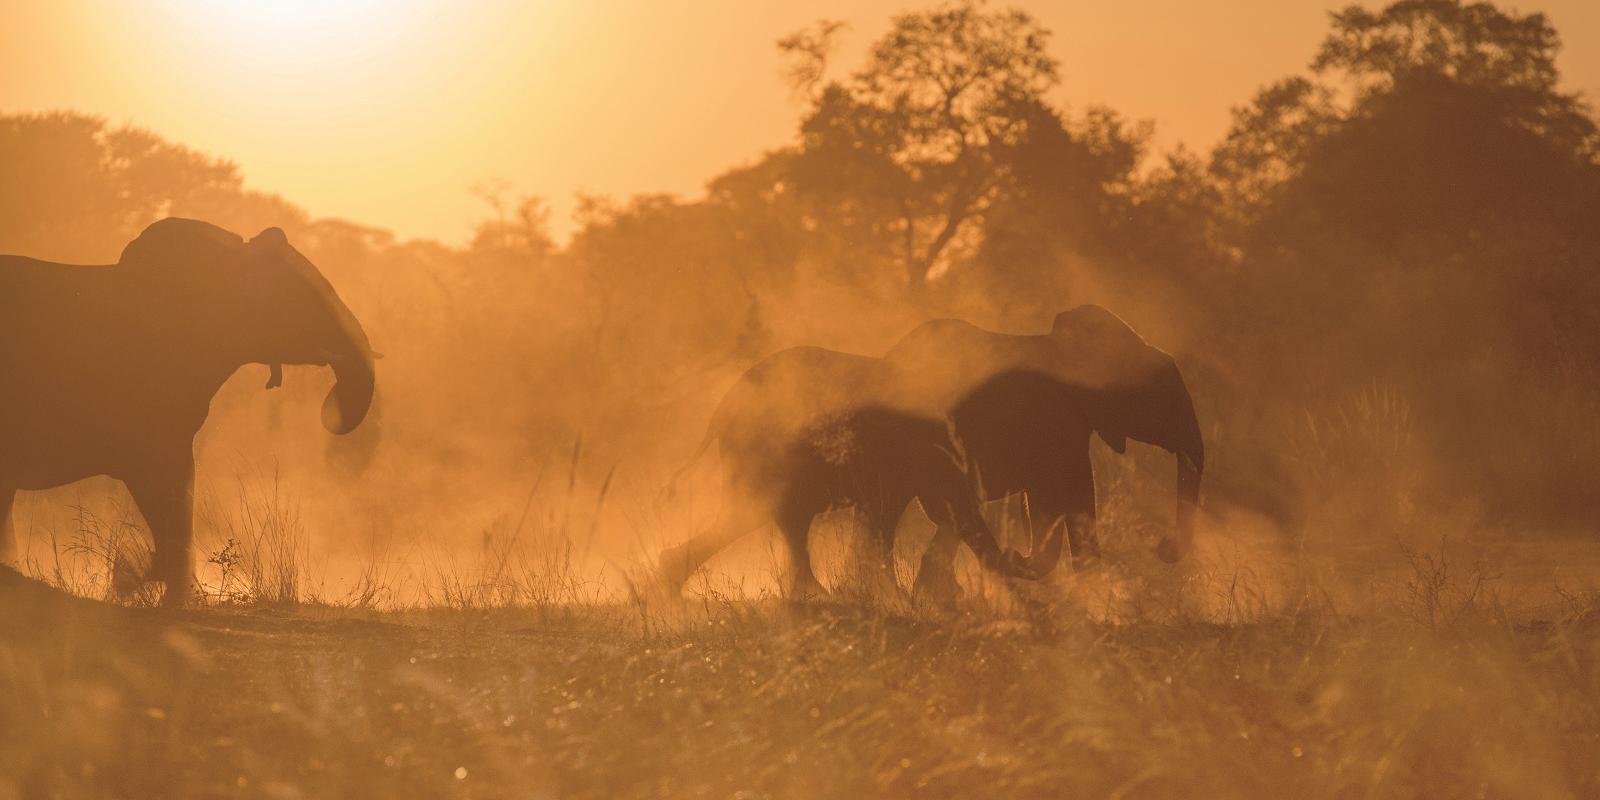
{"x":1380,"y":289}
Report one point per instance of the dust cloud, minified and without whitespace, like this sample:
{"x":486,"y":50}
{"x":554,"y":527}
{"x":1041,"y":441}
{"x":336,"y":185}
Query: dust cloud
{"x":1366,"y":322}
{"x":1379,"y":364}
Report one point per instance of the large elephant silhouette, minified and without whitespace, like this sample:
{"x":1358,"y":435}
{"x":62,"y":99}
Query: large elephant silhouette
{"x":791,"y":449}
{"x":1023,"y":406}
{"x":110,"y":370}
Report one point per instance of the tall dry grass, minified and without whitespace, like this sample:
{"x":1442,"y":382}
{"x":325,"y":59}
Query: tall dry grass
{"x":1423,"y":664}
{"x":266,"y":541}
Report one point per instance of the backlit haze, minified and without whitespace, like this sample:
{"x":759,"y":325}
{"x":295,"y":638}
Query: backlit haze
{"x":1060,"y":398}
{"x":392,"y":113}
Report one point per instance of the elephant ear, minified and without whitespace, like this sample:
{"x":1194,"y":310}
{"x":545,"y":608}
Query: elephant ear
{"x":176,"y":242}
{"x":1097,"y":328}
{"x":271,"y":238}
{"x":1099,"y":350}
{"x":271,"y":247}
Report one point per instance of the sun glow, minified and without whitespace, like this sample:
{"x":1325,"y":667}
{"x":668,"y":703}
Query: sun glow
{"x":304,"y":39}
{"x":296,"y":18}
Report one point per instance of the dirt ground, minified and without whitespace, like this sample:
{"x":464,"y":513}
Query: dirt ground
{"x":719,"y":698}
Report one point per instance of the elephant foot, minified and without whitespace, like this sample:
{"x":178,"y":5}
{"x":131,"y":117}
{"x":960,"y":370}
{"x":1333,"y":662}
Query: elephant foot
{"x":807,"y":589}
{"x":179,"y":593}
{"x":673,"y":569}
{"x":127,"y":578}
{"x":175,"y":576}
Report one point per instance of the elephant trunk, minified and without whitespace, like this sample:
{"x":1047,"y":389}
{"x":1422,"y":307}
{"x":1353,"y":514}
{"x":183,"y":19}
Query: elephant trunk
{"x":350,"y":354}
{"x":351,"y":396}
{"x":1010,"y":563}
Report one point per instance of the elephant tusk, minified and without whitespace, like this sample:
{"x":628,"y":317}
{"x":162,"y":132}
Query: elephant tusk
{"x":275,"y":378}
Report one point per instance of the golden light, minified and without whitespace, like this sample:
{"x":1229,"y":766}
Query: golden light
{"x":297,"y":36}
{"x":295,"y":17}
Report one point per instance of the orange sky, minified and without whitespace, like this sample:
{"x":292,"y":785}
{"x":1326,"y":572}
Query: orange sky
{"x":388,"y":112}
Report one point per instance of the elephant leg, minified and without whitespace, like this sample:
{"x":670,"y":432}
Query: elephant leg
{"x":165,"y":496}
{"x":936,"y":572}
{"x":883,"y":522}
{"x":795,"y":524}
{"x":1082,"y":521}
{"x":1074,"y":505}
{"x":1082,"y":537}
{"x":8,"y":534}
{"x":936,"y":577}
{"x":681,"y":561}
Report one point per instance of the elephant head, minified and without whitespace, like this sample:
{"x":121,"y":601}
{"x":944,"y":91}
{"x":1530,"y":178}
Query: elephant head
{"x":1138,"y":394}
{"x":259,"y":301}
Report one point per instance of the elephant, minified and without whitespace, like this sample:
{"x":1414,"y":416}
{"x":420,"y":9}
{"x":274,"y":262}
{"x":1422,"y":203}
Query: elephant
{"x":787,"y":463}
{"x":1022,"y":405}
{"x":1091,"y":372}
{"x":110,"y":369}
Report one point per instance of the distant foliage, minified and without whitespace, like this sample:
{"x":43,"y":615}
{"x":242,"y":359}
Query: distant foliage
{"x":73,"y":189}
{"x":1415,"y":211}
{"x":1427,"y":230}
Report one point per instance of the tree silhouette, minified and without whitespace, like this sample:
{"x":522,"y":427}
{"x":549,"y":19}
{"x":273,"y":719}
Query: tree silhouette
{"x":1416,"y":207}
{"x":910,"y":147}
{"x":73,"y":189}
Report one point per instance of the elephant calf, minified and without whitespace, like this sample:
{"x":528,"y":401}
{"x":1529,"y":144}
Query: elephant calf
{"x":874,"y":460}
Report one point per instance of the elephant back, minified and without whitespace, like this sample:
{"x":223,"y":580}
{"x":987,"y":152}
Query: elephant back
{"x":175,"y":242}
{"x":1096,"y":349}
{"x":792,"y":388}
{"x":940,"y":361}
